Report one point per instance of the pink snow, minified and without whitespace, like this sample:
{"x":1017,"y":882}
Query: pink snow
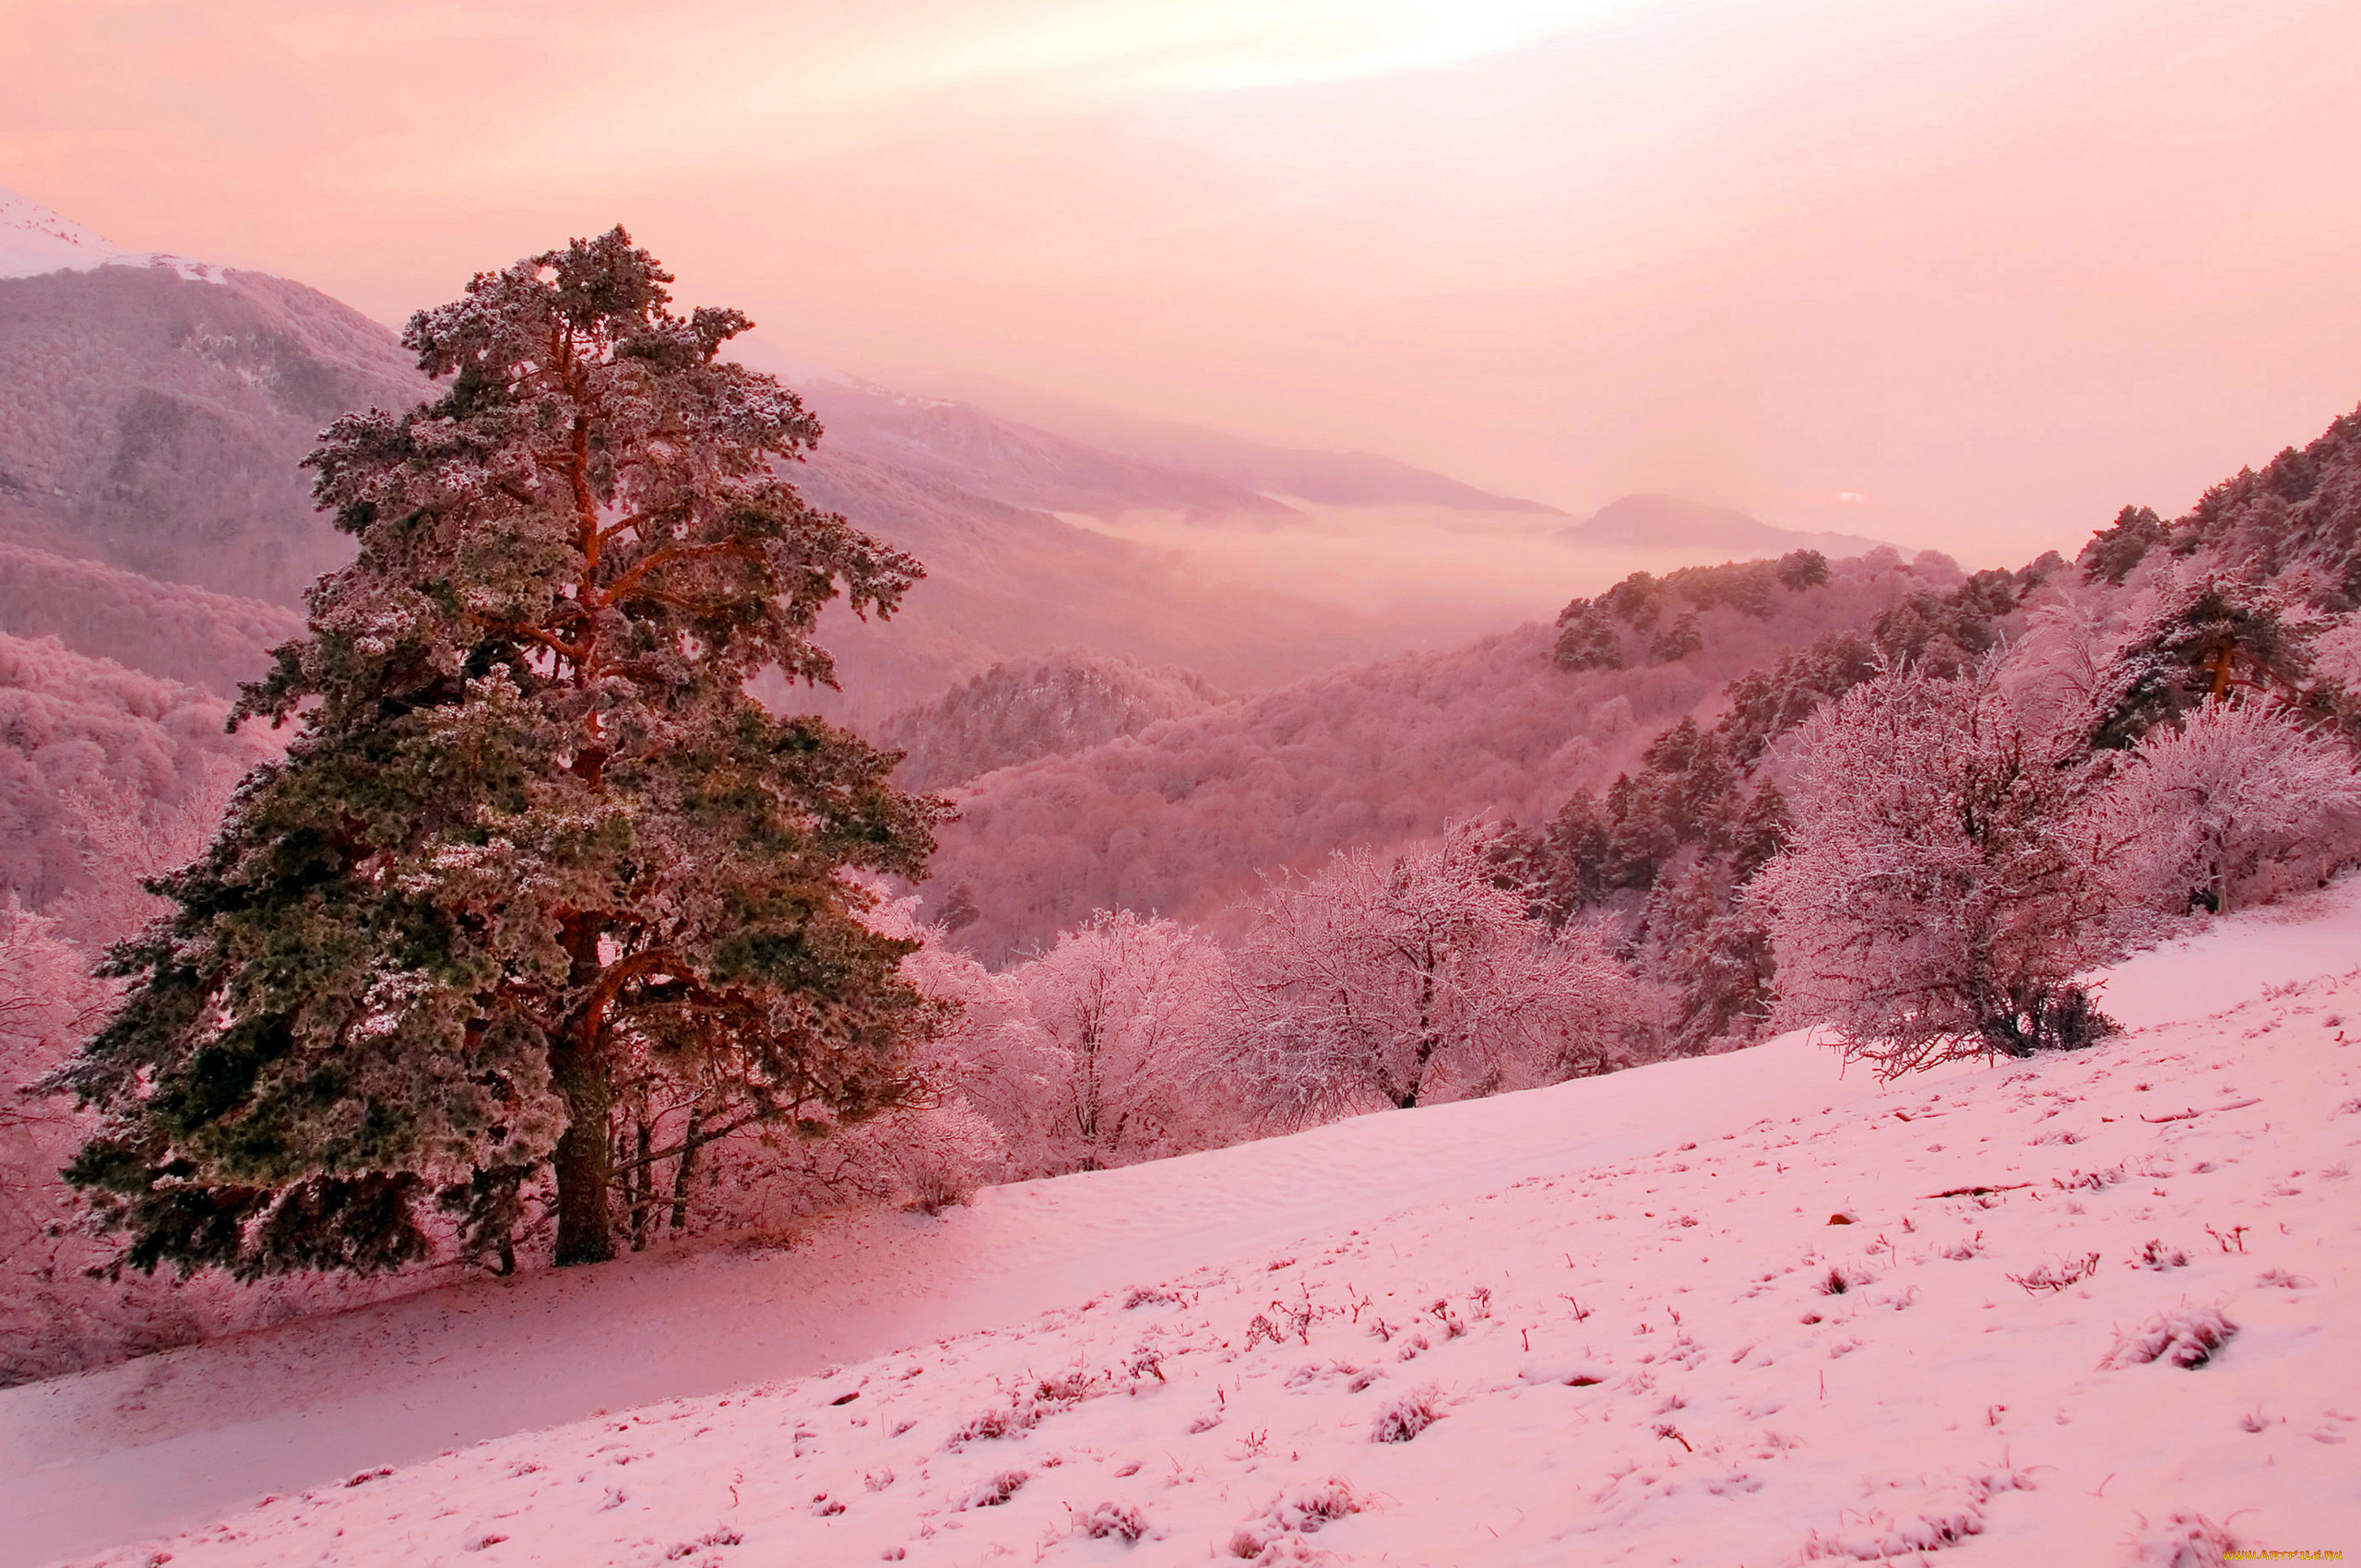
{"x":1594,"y":1323}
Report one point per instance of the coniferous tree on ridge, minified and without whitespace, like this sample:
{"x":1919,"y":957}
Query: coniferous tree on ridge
{"x":532,"y":833}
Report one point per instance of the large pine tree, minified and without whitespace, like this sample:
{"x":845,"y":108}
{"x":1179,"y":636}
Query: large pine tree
{"x":532,"y":835}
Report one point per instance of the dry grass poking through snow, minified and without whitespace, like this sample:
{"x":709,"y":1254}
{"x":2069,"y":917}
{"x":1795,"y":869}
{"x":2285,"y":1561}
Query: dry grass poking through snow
{"x":2122,"y":1336}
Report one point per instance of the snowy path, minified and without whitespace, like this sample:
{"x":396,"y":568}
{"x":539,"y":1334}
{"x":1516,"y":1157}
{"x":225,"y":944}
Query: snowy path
{"x":1739,"y":1413}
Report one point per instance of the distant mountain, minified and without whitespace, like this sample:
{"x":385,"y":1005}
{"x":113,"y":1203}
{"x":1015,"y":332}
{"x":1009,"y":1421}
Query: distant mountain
{"x":1061,"y":702}
{"x":1337,"y":478}
{"x":153,"y":419}
{"x":153,"y":416}
{"x":1669,"y":522}
{"x":1006,"y":461}
{"x":1006,"y":581}
{"x":34,"y":241}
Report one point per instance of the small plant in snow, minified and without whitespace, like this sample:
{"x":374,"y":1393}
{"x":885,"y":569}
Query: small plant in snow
{"x":2183,"y":1338}
{"x":997,"y":1491}
{"x":1000,"y":1422}
{"x":2234,"y":1236}
{"x":1839,"y":1279}
{"x":711,"y":1537}
{"x":1916,"y":1518}
{"x":1406,"y":1417}
{"x":1113,"y":1521}
{"x":2183,"y":1540}
{"x":2156,"y":1255}
{"x":2057,"y":1275}
{"x":1144,"y":1296}
{"x":2282,"y":1278}
{"x":1303,"y":1511}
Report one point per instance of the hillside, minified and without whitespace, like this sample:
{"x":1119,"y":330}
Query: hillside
{"x":1063,"y":702}
{"x":77,"y":732}
{"x":1180,"y":817}
{"x":158,"y":420}
{"x":1615,"y":1298}
{"x":181,"y":633}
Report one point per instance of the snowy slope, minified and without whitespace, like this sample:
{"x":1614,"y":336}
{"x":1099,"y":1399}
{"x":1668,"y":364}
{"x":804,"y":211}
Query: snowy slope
{"x":34,"y":241}
{"x":1612,"y":1295}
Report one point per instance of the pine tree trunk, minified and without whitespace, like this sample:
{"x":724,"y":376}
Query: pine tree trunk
{"x":642,"y":1184}
{"x":686,"y":1169}
{"x":584,"y":1159}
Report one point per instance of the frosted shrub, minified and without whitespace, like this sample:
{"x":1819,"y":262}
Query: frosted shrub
{"x":1937,"y":895}
{"x":1396,"y":982}
{"x":2239,"y":803}
{"x":1122,"y":1011}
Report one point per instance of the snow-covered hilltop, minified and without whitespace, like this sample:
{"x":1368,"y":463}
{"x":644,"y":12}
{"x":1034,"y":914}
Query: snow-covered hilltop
{"x":1729,"y":1311}
{"x":34,"y":240}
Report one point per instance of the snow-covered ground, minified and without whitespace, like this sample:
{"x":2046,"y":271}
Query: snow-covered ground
{"x":1608,"y":1310}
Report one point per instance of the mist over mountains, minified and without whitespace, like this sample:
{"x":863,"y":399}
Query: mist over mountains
{"x":153,"y":413}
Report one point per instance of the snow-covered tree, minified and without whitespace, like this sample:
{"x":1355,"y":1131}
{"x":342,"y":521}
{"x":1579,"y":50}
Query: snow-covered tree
{"x":47,"y":1000}
{"x":532,"y":831}
{"x":1123,"y":1008}
{"x":2209,"y":634}
{"x":1939,"y":887}
{"x":2209,"y":813}
{"x":1399,"y":980}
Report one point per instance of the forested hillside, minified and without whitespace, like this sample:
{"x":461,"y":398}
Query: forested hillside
{"x":175,"y":630}
{"x":91,"y":752}
{"x":1066,"y":701}
{"x":1181,"y":817}
{"x":160,"y":421}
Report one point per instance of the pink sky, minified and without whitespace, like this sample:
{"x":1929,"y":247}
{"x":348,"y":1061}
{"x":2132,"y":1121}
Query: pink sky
{"x":1996,"y":268}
